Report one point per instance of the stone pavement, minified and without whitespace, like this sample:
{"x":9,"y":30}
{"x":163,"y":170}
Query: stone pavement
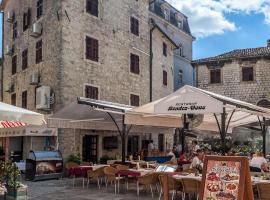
{"x":63,"y":190}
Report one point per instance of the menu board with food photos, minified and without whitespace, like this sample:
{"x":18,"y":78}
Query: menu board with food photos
{"x":226,"y":178}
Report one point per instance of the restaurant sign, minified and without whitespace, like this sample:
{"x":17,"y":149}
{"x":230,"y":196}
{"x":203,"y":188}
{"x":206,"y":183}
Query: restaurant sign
{"x":31,"y":131}
{"x":188,"y":103}
{"x":226,"y":178}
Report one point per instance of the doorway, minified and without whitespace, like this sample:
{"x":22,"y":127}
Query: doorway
{"x":90,"y":148}
{"x":133,"y":145}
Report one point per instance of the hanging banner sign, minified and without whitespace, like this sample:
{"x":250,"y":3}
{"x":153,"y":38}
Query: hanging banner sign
{"x":226,"y":178}
{"x":188,"y":103}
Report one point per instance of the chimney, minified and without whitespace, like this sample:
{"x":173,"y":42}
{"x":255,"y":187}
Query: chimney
{"x":268,"y":43}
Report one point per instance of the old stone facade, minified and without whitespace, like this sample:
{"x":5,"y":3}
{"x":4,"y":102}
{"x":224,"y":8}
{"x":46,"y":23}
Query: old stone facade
{"x":231,"y":67}
{"x":162,"y":65}
{"x":175,"y":25}
{"x":64,"y":66}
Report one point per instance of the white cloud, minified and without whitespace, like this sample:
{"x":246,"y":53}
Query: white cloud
{"x":207,"y":17}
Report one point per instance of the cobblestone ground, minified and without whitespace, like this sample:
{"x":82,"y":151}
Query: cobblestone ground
{"x":63,"y":190}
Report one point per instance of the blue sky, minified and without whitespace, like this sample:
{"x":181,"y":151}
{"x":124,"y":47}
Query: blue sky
{"x":251,"y":32}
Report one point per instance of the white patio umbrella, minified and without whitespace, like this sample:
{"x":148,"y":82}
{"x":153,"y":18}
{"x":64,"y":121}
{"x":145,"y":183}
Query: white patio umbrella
{"x":14,"y":116}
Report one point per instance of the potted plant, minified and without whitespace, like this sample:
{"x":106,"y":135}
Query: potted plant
{"x":10,"y":177}
{"x":74,"y":158}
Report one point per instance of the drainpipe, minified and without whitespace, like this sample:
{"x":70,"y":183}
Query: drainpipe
{"x":3,"y":52}
{"x":151,"y":59}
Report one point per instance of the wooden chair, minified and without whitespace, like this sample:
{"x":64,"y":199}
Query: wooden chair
{"x":147,"y":180}
{"x":173,"y":186}
{"x":263,"y":191}
{"x":190,"y":186}
{"x":110,"y":175}
{"x":96,"y":175}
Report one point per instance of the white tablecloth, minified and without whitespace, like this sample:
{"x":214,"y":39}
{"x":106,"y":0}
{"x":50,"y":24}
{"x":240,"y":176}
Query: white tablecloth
{"x":21,"y":165}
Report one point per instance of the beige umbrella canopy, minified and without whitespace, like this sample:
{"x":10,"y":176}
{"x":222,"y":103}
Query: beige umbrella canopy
{"x":169,"y":110}
{"x":220,"y":113}
{"x":17,"y":114}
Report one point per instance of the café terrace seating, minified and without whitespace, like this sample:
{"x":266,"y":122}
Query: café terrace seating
{"x":110,"y":177}
{"x":147,"y":180}
{"x":96,"y":175}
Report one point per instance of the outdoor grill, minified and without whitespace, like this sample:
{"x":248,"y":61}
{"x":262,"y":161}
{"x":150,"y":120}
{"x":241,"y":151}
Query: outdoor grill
{"x":42,"y":165}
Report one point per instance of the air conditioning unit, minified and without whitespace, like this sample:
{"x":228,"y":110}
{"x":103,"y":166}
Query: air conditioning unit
{"x":34,"y":79}
{"x":43,"y":95}
{"x":10,"y":49}
{"x":36,"y":30}
{"x":10,"y":88}
{"x":10,"y":16}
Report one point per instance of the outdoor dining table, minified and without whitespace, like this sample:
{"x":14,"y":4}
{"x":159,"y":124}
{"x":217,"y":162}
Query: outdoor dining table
{"x":79,"y":171}
{"x":189,"y":176}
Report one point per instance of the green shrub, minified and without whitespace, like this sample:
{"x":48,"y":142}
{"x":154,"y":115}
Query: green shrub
{"x":74,"y":158}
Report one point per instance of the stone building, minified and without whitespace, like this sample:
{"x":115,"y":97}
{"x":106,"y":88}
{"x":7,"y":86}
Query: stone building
{"x":58,"y":50}
{"x":241,"y":74}
{"x":175,"y":25}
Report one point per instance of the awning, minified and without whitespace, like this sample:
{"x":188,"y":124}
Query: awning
{"x":96,"y":115}
{"x":17,"y":114}
{"x":29,"y":130}
{"x":168,"y":111}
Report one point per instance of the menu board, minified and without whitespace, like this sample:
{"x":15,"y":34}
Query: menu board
{"x":225,"y":178}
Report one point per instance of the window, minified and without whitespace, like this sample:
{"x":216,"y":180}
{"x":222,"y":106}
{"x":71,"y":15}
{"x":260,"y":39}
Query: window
{"x":91,"y":49}
{"x":24,"y":99}
{"x":39,"y":51}
{"x":24,"y":59}
{"x":134,"y":26}
{"x":134,"y":63}
{"x":165,"y":81}
{"x":180,"y":77}
{"x":215,"y":76}
{"x":180,"y":50}
{"x":92,"y":7}
{"x":14,"y":65}
{"x":166,"y":14}
{"x":26,"y":19}
{"x":134,"y":100}
{"x":247,"y":74}
{"x":164,"y":49}
{"x":161,"y":142}
{"x":13,"y":99}
{"x":91,"y":92}
{"x":15,"y":30}
{"x":39,"y":8}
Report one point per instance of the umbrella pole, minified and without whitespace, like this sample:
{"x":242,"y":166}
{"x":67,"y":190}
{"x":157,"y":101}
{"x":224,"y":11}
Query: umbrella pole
{"x":223,"y":130}
{"x":264,"y":137}
{"x":123,"y":137}
{"x":183,"y":133}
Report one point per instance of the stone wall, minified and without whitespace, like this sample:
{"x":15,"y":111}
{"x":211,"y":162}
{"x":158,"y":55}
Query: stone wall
{"x":160,"y":63}
{"x":232,"y":85}
{"x":181,"y":61}
{"x":50,"y":68}
{"x":112,"y":73}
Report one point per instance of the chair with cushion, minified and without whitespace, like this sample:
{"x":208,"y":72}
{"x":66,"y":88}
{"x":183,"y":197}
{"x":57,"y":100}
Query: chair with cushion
{"x":110,"y":176}
{"x":191,"y":186}
{"x":96,"y":175}
{"x":147,"y":180}
{"x":263,"y":191}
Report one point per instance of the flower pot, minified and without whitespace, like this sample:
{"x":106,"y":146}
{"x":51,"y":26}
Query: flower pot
{"x":17,"y":193}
